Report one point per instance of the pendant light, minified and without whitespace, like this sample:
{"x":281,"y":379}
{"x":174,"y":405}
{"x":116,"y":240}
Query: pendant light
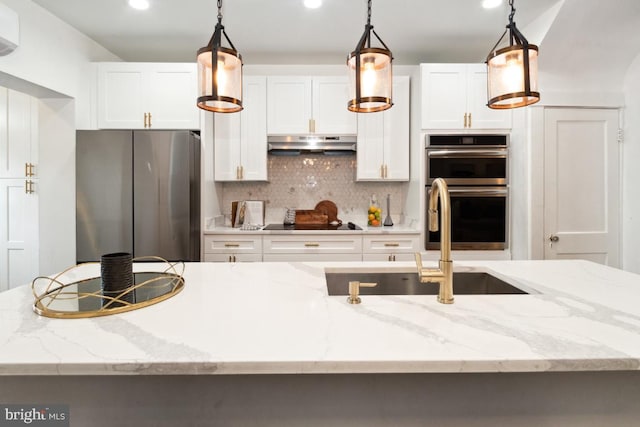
{"x":370,"y":73}
{"x":512,"y":71}
{"x":219,"y":73}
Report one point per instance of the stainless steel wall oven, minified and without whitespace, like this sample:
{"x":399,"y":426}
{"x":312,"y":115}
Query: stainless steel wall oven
{"x":475,"y":168}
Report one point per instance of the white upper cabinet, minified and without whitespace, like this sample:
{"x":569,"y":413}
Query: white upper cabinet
{"x":454,"y":96}
{"x":241,"y":138}
{"x":147,"y":96}
{"x":299,"y":105}
{"x":383,"y":138}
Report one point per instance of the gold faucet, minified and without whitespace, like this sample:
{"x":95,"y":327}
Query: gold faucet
{"x":354,"y":291}
{"x":444,"y":274}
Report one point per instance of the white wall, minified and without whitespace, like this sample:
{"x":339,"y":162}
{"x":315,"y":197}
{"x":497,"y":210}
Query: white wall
{"x":54,"y":60}
{"x":51,"y":54}
{"x":631,"y":171}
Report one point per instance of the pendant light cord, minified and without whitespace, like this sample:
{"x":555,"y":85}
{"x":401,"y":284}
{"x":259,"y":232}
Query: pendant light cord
{"x":513,"y":11}
{"x":219,"y":11}
{"x":369,"y":12}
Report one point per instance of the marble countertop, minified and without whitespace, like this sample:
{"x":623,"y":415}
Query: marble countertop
{"x":260,"y":318}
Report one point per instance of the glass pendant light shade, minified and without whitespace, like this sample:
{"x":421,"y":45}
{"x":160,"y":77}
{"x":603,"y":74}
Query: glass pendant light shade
{"x":512,"y":71}
{"x":219,"y":74}
{"x":370,"y":74}
{"x":508,"y":78}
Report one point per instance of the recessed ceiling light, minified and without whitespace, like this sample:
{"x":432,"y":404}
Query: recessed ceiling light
{"x":313,"y":4}
{"x":139,"y":4}
{"x":490,"y":4}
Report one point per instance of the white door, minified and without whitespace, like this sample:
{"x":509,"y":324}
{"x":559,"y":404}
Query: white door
{"x":330,"y":98}
{"x":444,"y":96}
{"x":18,"y":233}
{"x":15,"y":133}
{"x":481,"y":116}
{"x":582,"y":185}
{"x":227,"y":139}
{"x":171,"y":96}
{"x":121,"y":96}
{"x":289,"y":105}
{"x":253,"y":148}
{"x":396,"y":132}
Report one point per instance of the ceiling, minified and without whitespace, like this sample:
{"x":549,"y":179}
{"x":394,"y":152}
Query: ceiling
{"x":284,"y":31}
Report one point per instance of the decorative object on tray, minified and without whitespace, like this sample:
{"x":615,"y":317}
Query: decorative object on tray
{"x":54,"y":297}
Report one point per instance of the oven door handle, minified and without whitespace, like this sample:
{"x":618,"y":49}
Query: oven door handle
{"x":479,"y":192}
{"x":467,"y":153}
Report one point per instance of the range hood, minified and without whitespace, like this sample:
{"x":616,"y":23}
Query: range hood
{"x":290,"y":145}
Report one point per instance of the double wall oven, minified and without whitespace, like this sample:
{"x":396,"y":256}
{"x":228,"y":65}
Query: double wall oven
{"x":475,"y":168}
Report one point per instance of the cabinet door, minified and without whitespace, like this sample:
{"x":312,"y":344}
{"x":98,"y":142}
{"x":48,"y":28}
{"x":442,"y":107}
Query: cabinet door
{"x":383,"y":139}
{"x":370,"y":149}
{"x":227,"y":142}
{"x":18,"y":234}
{"x":289,"y":105}
{"x":240,"y":139}
{"x":253,"y":149}
{"x":330,"y":113}
{"x":171,"y":92}
{"x":396,"y":132}
{"x":443,"y":95}
{"x":481,"y":116}
{"x":15,"y":133}
{"x":121,"y":96}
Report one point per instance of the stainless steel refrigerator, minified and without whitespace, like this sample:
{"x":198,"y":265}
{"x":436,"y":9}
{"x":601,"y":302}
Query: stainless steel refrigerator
{"x":138,"y":192}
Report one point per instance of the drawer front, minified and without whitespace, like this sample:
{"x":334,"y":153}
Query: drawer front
{"x":313,"y":244}
{"x":233,"y":257}
{"x":311,"y":257}
{"x":401,"y":243}
{"x":229,"y":245}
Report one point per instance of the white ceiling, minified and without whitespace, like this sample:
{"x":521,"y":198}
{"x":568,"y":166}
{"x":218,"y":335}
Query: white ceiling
{"x":284,"y":31}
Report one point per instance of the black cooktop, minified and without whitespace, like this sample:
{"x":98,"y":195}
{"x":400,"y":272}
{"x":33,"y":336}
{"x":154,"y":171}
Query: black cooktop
{"x":329,"y":227}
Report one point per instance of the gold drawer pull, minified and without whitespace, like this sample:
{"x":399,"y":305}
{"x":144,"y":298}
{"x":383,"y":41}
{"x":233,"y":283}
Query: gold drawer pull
{"x":312,"y":244}
{"x":392,"y":245}
{"x":232,"y":245}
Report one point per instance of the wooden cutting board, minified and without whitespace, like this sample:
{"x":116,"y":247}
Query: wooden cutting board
{"x":330,"y":209}
{"x":311,"y":217}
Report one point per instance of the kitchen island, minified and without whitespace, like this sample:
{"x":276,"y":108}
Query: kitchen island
{"x":224,"y":351}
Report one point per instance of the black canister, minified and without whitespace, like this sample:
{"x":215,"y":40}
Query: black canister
{"x":116,"y":272}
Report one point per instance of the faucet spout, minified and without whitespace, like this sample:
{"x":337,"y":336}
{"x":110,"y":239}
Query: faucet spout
{"x":443,"y":275}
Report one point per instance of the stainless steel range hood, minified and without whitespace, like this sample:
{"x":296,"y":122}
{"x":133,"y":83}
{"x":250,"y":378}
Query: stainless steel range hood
{"x":289,"y":145}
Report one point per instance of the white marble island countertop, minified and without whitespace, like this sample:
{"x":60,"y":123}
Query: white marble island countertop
{"x":263,"y":318}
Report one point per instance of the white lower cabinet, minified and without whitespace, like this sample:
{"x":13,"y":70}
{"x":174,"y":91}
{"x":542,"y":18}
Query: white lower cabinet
{"x":225,"y":248}
{"x":312,"y":247}
{"x":396,"y":247}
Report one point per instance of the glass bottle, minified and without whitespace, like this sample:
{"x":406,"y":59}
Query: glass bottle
{"x":374,"y":213}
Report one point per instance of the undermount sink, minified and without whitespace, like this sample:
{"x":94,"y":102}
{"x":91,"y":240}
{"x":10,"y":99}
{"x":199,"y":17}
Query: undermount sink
{"x":408,"y":283}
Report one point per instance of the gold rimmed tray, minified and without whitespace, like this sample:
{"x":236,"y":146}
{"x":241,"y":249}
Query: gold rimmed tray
{"x":85,"y":298}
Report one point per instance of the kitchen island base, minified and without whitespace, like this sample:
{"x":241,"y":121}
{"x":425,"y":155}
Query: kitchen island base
{"x":564,"y":399}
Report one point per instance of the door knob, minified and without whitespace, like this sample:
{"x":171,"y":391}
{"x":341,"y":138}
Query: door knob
{"x":553,"y":238}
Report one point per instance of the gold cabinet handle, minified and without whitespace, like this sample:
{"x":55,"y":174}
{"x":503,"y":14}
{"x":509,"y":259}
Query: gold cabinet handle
{"x":469,"y":119}
{"x":237,"y":172}
{"x":465,"y":120}
{"x":145,"y":120}
{"x":392,"y":245}
{"x":232,"y":245}
{"x":28,"y":186}
{"x":28,"y":169}
{"x":149,"y":115}
{"x":312,"y":125}
{"x":381,"y":171}
{"x":386,"y":171}
{"x":311,"y":244}
{"x":241,"y":172}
